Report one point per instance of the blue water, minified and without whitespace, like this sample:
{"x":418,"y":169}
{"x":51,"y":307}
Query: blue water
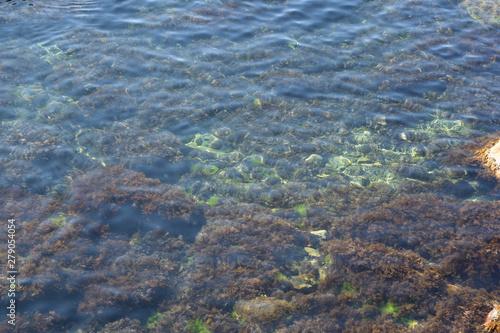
{"x":308,"y":111}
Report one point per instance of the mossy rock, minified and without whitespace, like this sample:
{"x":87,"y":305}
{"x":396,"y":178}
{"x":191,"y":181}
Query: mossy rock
{"x":484,"y":11}
{"x":263,"y":309}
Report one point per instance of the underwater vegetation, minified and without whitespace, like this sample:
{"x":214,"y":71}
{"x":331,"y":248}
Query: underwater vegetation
{"x":247,"y":268}
{"x":118,"y":263}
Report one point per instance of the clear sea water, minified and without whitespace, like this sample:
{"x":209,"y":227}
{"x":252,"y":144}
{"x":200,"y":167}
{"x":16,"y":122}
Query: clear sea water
{"x":267,"y":106}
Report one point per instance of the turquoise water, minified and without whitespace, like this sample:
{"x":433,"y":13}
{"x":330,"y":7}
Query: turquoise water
{"x":167,"y":161}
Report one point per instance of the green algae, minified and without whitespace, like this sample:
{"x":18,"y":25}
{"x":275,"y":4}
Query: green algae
{"x":53,"y":54}
{"x":153,"y":320}
{"x":348,"y":289}
{"x":198,"y":326}
{"x":258,"y":160}
{"x":301,"y":209}
{"x":213,"y":201}
{"x":234,"y":315}
{"x":390,"y":308}
{"x":257,"y":103}
{"x":210,"y":170}
{"x":410,"y":323}
{"x":59,"y":220}
{"x":135,"y":240}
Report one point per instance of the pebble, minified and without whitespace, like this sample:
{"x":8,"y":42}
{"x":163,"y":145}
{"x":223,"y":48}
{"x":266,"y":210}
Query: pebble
{"x":312,"y":252}
{"x":364,"y":160}
{"x":320,"y":233}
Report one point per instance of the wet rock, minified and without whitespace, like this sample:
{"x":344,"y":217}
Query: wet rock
{"x":455,"y":172}
{"x":492,"y":323}
{"x":314,"y":159}
{"x":271,"y":181}
{"x":415,"y":173}
{"x":407,"y":136}
{"x":303,"y":285}
{"x":361,"y":181}
{"x":338,"y":163}
{"x":364,"y":149}
{"x":492,"y":156}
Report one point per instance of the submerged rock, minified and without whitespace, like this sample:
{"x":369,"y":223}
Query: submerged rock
{"x":263,"y":309}
{"x":312,"y":252}
{"x":319,"y":233}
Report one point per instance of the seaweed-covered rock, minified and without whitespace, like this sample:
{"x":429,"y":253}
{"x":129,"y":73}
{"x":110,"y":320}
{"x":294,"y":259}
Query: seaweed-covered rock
{"x":263,"y":309}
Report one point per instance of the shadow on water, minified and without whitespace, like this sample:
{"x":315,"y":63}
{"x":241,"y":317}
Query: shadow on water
{"x":127,"y":220}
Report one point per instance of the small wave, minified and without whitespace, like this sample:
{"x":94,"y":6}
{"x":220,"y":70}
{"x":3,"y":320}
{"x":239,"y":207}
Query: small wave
{"x":77,"y":7}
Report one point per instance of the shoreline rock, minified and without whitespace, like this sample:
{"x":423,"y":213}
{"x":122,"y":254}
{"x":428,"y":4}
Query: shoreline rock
{"x":491,"y":157}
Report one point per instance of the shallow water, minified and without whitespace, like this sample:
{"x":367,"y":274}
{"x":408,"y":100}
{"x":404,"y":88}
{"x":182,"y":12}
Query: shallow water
{"x":302,"y":115}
